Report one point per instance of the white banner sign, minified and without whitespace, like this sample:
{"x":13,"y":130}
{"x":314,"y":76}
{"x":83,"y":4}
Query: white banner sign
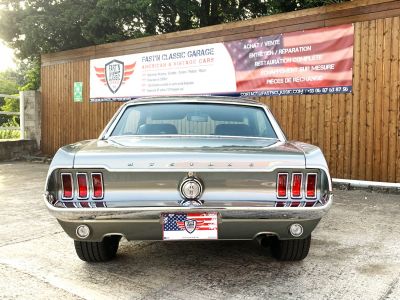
{"x":192,"y":70}
{"x":317,"y":61}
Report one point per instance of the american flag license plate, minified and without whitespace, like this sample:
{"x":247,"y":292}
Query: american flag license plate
{"x":190,"y":226}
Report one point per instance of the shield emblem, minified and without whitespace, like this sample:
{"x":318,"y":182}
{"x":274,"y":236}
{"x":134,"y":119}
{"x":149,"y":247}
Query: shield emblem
{"x":114,"y":75}
{"x":190,"y":225}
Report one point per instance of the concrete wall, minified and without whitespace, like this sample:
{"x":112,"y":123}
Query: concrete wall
{"x":31,"y":101}
{"x":30,"y":109}
{"x":15,"y":149}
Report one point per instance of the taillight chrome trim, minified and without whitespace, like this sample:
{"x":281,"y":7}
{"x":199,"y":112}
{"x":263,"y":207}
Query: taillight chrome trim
{"x":277,"y":185}
{"x":87,"y":186}
{"x":102,"y":186}
{"x":301,"y":186}
{"x":315,"y":186}
{"x":62,"y":186}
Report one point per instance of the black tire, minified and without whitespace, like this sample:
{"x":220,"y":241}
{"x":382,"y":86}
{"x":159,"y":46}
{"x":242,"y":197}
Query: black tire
{"x":98,"y":251}
{"x":291,"y":250}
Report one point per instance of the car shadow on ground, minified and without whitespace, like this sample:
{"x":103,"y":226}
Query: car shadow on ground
{"x":187,"y":254}
{"x":225,"y":266}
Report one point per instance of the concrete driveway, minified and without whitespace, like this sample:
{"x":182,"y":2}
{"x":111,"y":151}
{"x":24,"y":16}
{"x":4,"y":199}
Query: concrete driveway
{"x":355,"y":254}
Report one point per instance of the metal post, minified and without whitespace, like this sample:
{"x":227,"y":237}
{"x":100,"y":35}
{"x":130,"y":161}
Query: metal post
{"x":21,"y":115}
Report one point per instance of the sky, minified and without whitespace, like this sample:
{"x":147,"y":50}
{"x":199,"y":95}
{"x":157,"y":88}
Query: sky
{"x":6,"y":57}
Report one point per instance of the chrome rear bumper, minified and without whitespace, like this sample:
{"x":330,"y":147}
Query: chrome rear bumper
{"x":153,"y":213}
{"x":144,"y":223}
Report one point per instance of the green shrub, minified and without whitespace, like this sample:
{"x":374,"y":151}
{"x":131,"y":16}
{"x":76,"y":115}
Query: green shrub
{"x":11,"y":105}
{"x":9,"y":134}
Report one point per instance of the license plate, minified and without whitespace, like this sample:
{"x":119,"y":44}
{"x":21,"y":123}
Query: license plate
{"x":190,"y":226}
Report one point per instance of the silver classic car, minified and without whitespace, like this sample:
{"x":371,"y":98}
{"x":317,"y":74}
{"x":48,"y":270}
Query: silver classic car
{"x":189,"y":168}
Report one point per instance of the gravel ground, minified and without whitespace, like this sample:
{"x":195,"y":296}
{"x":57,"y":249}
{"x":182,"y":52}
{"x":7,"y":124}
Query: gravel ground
{"x":355,"y":254}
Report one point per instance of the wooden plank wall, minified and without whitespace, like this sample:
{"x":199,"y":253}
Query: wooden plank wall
{"x":359,"y":133}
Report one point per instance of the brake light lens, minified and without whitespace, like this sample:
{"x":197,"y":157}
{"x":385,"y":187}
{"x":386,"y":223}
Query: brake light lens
{"x":311,"y":190}
{"x":67,"y":185}
{"x":98,"y":189}
{"x":282,"y":185}
{"x":88,"y":185}
{"x":303,"y":189}
{"x":296,"y":185}
{"x":82,"y":186}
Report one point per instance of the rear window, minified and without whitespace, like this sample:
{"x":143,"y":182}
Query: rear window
{"x":194,"y":119}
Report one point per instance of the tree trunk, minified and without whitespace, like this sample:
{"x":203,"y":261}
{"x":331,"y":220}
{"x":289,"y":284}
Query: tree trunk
{"x":204,"y":13}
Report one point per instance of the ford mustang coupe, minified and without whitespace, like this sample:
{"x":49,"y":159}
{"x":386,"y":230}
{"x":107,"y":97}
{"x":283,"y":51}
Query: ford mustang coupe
{"x":189,"y":168}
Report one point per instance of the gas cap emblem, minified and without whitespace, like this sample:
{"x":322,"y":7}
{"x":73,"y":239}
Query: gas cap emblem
{"x":191,"y":189}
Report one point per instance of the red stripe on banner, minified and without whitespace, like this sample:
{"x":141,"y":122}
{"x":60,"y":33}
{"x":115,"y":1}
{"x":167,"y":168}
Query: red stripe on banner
{"x":99,"y":70}
{"x":205,"y":228}
{"x":201,"y":215}
{"x":201,"y":222}
{"x":181,"y":226}
{"x":303,"y":60}
{"x":253,"y":85}
{"x":343,"y":64}
{"x":327,"y":47}
{"x":344,"y":70}
{"x":322,"y":35}
{"x":128,"y":73}
{"x":284,"y":82}
{"x":131,"y":66}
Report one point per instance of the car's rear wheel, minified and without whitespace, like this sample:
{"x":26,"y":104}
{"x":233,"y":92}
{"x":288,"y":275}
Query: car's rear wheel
{"x":291,"y":250}
{"x":98,"y":251}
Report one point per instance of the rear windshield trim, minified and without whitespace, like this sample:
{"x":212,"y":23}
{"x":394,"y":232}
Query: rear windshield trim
{"x":114,"y":121}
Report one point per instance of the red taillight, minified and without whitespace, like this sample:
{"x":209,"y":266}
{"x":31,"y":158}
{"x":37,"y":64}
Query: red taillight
{"x":282,"y":185}
{"x":295,"y":204}
{"x":296,"y":185}
{"x":67,"y":186}
{"x":98,"y":190}
{"x":311,"y":190}
{"x":82,"y":185}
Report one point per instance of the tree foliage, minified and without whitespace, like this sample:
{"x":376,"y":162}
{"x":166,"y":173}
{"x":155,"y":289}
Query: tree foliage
{"x":33,"y":27}
{"x":29,"y":74}
{"x":8,"y":82}
{"x":8,"y":86}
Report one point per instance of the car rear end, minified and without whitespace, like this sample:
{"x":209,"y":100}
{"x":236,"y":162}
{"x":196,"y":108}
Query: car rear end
{"x":249,"y":197}
{"x":189,"y":187}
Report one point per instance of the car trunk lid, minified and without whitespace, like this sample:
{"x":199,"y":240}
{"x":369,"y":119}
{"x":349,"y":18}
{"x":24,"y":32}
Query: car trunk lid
{"x":186,"y":153}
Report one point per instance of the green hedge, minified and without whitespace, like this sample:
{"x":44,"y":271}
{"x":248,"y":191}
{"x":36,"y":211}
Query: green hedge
{"x":9,"y":134}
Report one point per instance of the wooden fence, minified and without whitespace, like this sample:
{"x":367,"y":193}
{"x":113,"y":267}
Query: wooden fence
{"x":359,"y":133}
